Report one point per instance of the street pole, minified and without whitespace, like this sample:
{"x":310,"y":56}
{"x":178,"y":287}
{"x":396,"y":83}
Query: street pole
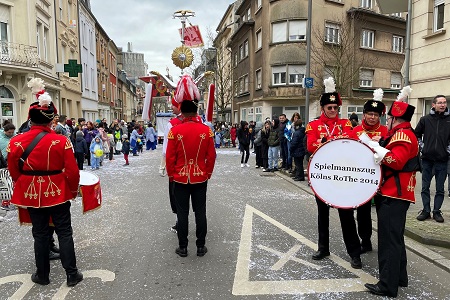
{"x":408,"y":43}
{"x":308,"y":58}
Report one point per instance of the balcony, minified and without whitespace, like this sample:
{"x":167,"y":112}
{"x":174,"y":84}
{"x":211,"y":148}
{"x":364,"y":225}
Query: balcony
{"x":18,"y":54}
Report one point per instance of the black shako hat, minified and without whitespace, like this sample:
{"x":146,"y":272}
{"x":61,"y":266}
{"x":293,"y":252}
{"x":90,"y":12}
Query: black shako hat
{"x":375,"y":104}
{"x":330,"y":96}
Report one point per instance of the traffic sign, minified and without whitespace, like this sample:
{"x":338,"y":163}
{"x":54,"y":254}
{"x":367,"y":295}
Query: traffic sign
{"x":309,"y":83}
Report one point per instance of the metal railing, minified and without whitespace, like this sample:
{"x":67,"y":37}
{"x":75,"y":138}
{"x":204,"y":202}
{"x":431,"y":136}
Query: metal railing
{"x":18,"y":54}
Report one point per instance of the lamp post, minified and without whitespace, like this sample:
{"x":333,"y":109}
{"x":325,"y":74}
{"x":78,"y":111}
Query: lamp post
{"x":308,"y":57}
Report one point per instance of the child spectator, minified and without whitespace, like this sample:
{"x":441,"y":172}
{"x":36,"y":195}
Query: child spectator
{"x":112,"y":146}
{"x":125,"y":148}
{"x":81,"y":149}
{"x":96,"y":149}
{"x":217,"y":138}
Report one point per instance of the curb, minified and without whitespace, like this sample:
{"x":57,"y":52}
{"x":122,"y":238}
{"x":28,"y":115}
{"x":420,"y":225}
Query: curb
{"x":413,"y":242}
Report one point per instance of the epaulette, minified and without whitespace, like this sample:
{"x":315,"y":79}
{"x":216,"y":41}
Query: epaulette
{"x":211,"y":133}
{"x":170,"y":135}
{"x":400,"y":136}
{"x":348,"y":123}
{"x":308,"y":127}
{"x":68,"y":144}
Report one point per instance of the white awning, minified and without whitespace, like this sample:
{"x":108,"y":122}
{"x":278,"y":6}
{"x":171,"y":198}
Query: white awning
{"x":393,"y":6}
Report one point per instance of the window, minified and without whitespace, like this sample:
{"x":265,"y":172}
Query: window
{"x":258,"y":114}
{"x":396,"y":80}
{"x":357,"y":109}
{"x":241,"y":51}
{"x":258,"y":4}
{"x":438,"y":15}
{"x":399,"y":15}
{"x":69,"y":12}
{"x":258,"y":79}
{"x":279,"y":75}
{"x":38,"y":39}
{"x":236,"y":59}
{"x":45,"y":44}
{"x":243,"y":114}
{"x":365,"y":78}
{"x":289,"y":31}
{"x":4,"y":32}
{"x":236,"y":88}
{"x":296,"y":73}
{"x":365,"y":4}
{"x":367,"y":38}
{"x":397,"y":44}
{"x":332,"y":33}
{"x":92,"y":80}
{"x":245,"y":83}
{"x":246,"y":48}
{"x":297,"y":30}
{"x":258,"y":40}
{"x":249,"y":13}
{"x":250,"y":113}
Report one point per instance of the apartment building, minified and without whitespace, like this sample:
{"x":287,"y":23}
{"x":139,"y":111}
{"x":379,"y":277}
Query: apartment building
{"x":27,"y":51}
{"x":351,"y":41}
{"x":67,"y":39}
{"x":116,"y":104}
{"x":89,"y":87}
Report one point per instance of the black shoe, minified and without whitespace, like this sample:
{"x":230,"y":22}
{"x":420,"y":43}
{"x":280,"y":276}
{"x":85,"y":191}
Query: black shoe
{"x":181,"y":251}
{"x":54,"y":248}
{"x":135,"y":154}
{"x":423,"y":215}
{"x":53,"y":255}
{"x":365,"y":249}
{"x":403,"y":284}
{"x":274,"y":170}
{"x":266,"y":170}
{"x":72,"y":280}
{"x":437,"y":216}
{"x":42,"y":281}
{"x":375,"y":289}
{"x":299,"y":179}
{"x":201,"y":251}
{"x":356,"y":262}
{"x":174,"y":227}
{"x":320,"y":255}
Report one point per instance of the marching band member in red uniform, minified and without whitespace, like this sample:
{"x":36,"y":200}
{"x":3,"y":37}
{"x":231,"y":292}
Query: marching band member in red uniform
{"x":326,"y":128}
{"x":46,"y":176}
{"x":370,"y":125}
{"x":400,"y":161}
{"x":190,"y":159}
{"x":178,"y":119}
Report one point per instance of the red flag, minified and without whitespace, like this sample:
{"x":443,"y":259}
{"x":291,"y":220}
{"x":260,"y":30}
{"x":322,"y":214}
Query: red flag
{"x":91,"y":196}
{"x":209,"y":109}
{"x":192,"y":37}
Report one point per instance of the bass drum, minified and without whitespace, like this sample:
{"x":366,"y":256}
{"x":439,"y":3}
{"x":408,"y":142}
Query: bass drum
{"x":343,"y":174}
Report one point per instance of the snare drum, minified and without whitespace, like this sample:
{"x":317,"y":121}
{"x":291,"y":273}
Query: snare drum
{"x":91,"y":192}
{"x":343,"y":174}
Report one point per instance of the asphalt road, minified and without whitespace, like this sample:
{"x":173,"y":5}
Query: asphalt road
{"x":261,"y":234}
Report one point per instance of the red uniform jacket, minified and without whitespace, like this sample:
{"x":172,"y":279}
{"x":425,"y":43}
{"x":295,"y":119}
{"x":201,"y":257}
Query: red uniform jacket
{"x":324,"y":127}
{"x":371,"y":131}
{"x":403,"y":146}
{"x":53,"y":153}
{"x":190,"y":154}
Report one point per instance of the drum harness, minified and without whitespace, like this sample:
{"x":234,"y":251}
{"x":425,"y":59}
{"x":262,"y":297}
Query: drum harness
{"x":27,"y":152}
{"x":413,"y":164}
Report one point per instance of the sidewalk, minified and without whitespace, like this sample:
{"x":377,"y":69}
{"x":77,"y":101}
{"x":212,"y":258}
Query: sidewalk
{"x":428,"y":239}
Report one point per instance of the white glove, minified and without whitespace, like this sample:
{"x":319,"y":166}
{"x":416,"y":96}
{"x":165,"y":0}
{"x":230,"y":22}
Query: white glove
{"x":369,"y":142}
{"x":162,"y":166}
{"x":380,"y":153}
{"x":162,"y":172}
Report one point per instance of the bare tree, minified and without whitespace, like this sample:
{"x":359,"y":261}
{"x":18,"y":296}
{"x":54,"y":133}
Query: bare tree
{"x":335,"y":52}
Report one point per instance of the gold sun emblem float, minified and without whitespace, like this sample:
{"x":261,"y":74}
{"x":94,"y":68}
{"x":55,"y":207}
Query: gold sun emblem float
{"x":182,"y":57}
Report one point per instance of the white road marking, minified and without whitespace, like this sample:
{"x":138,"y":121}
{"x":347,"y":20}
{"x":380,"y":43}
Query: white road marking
{"x":243,"y":286}
{"x":285,"y":257}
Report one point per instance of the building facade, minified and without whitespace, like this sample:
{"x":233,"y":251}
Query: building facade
{"x":361,"y":48}
{"x":89,"y":86}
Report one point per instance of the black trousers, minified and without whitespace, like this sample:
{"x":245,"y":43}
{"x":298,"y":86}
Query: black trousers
{"x":173,"y":205}
{"x":61,"y":218}
{"x":392,"y":259}
{"x":197,"y":194}
{"x":299,"y":171}
{"x":364,"y":219}
{"x":258,"y":152}
{"x":348,"y":227}
{"x":79,"y":156}
{"x":245,"y":150}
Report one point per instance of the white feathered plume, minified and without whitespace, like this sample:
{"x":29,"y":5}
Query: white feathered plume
{"x":36,"y":85}
{"x":45,"y":99}
{"x":378,"y":95}
{"x":404,"y":93}
{"x":330,"y":86}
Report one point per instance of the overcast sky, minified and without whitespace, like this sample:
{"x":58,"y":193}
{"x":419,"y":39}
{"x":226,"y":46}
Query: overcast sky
{"x":150,"y":27}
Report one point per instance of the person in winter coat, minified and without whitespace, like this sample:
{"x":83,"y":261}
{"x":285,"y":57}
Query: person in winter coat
{"x":112,"y":146}
{"x":134,"y":140}
{"x":81,"y":149}
{"x":233,"y":133}
{"x":257,"y":142}
{"x":150,"y":137}
{"x":297,"y":150}
{"x":95,"y":148}
{"x":89,"y":133}
{"x":274,"y":145}
{"x":125,"y":148}
{"x":265,"y":131}
{"x":117,"y":132}
{"x":243,"y":136}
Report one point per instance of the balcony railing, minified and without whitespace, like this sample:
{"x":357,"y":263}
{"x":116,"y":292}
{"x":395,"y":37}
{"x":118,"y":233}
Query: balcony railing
{"x":18,"y":54}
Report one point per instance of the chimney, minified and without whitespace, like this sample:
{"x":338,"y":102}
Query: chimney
{"x":130,"y":47}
